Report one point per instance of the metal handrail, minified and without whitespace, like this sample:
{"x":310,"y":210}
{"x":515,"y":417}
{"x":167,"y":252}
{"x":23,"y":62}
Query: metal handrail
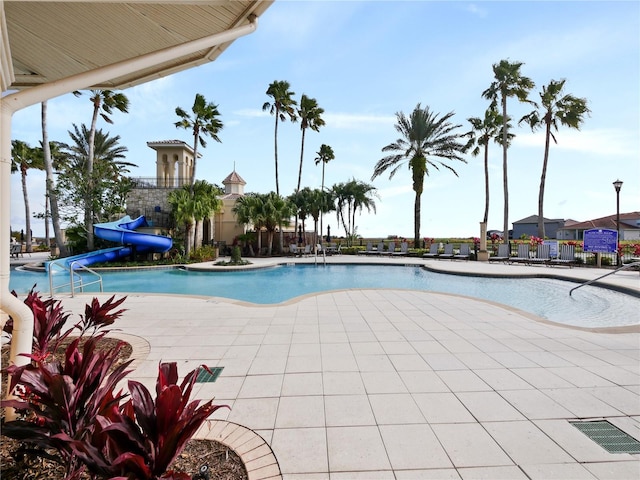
{"x":322,"y":252}
{"x":589,"y":282}
{"x":75,"y":281}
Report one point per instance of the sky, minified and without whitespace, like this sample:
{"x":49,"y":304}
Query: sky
{"x":366,"y":61}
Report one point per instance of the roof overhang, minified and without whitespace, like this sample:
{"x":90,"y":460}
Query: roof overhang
{"x":46,"y":41}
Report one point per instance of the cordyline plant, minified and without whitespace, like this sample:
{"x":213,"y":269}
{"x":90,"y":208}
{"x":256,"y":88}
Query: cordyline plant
{"x":49,"y":319}
{"x":63,"y":402}
{"x":75,"y":410}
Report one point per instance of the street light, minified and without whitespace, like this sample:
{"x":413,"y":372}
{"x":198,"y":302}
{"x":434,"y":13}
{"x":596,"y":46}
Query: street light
{"x":618,"y":185}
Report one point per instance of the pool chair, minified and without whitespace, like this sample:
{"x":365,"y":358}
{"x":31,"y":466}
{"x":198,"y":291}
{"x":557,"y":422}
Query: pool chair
{"x":503,"y":253}
{"x":448,"y":251}
{"x":433,"y":251}
{"x":307,"y":251}
{"x":464,"y":252}
{"x":369,"y":249}
{"x":566,"y":257}
{"x":404,"y":249}
{"x":379,"y":249}
{"x":293,"y":250}
{"x":523,"y":254}
{"x":543,"y":255}
{"x":391,"y":248}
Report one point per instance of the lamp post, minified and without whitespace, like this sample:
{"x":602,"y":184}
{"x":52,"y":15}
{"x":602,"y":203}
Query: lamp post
{"x":618,"y":185}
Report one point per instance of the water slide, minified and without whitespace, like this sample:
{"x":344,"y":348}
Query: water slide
{"x":123,"y":232}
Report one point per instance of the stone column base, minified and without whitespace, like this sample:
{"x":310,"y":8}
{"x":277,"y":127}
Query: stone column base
{"x":483,"y":256}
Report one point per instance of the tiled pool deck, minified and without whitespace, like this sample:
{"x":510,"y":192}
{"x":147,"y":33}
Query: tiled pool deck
{"x":397,"y":384}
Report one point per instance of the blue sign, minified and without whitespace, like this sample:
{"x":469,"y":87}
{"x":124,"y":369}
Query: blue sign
{"x":601,"y":240}
{"x":553,"y":247}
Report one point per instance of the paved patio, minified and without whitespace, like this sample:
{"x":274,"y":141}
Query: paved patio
{"x":390,"y":384}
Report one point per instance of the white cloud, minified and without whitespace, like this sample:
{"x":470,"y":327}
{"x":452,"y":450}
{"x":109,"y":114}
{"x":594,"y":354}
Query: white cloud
{"x":476,"y":10}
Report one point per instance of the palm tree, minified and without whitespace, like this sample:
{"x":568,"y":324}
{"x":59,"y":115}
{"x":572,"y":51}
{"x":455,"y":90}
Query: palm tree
{"x":277,"y":212}
{"x":51,"y":188}
{"x":556,"y":108}
{"x":425,"y":135}
{"x":245,"y":210}
{"x":205,"y":203}
{"x":282,"y":107}
{"x":204,"y":123}
{"x":483,"y":130}
{"x":104,"y":102}
{"x":301,"y":201}
{"x":350,"y":197}
{"x":103,"y":193}
{"x":324,"y":156}
{"x":310,"y":117}
{"x":319,"y":202}
{"x":509,"y":82}
{"x":182,"y":209}
{"x":23,"y":157}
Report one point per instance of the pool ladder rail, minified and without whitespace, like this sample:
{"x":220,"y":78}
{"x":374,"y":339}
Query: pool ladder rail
{"x":75,"y":280}
{"x":589,"y":282}
{"x":320,"y":251}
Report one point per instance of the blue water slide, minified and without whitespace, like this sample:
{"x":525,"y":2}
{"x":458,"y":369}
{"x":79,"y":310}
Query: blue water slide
{"x":122,"y":232}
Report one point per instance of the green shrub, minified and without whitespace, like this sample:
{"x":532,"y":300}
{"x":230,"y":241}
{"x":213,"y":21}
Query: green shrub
{"x":236,"y":254}
{"x":205,"y":253}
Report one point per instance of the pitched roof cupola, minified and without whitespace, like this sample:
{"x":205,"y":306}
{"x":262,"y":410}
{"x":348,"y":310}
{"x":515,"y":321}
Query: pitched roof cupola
{"x":233,"y":185}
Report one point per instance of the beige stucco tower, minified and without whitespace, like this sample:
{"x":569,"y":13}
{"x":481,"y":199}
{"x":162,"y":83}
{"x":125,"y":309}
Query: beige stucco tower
{"x":227,"y":227}
{"x":174,"y":162}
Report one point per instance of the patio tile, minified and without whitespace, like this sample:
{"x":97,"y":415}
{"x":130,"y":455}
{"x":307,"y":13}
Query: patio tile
{"x":619,"y":398}
{"x":443,"y":361}
{"x":304,"y":364}
{"x":541,"y":378}
{"x":348,"y":410}
{"x":413,"y":447}
{"x":377,"y":475}
{"x":300,"y":412}
{"x":356,"y":449}
{"x":423,"y":382}
{"x":489,"y":406}
{"x":300,"y":450}
{"x":469,"y":445}
{"x":374,"y":363}
{"x":408,"y":362}
{"x":492,"y":473}
{"x":615,"y":470}
{"x":503,"y":379}
{"x":339,"y":363}
{"x":564,"y":471}
{"x":255,"y":413}
{"x":383,"y":382}
{"x":463,"y":381}
{"x":581,"y":403}
{"x":297,"y":384}
{"x":268,"y":365}
{"x":431,"y":474}
{"x":395,"y":409}
{"x":535,"y":405}
{"x":478,"y":360}
{"x":257,"y":386}
{"x":342,"y":383}
{"x":442,"y":408}
{"x":526,"y":443}
{"x":580,"y":377}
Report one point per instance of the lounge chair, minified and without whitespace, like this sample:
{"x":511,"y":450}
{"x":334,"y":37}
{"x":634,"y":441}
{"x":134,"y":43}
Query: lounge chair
{"x":293,"y":250}
{"x":448,"y":251}
{"x":369,"y":249}
{"x":16,"y":250}
{"x":391,"y":248}
{"x":404,"y":249}
{"x":433,"y":251}
{"x":307,"y":251}
{"x":464,"y":252}
{"x":379,"y":250}
{"x":503,"y":253}
{"x":523,"y":254}
{"x":567,"y":256}
{"x":543,"y":255}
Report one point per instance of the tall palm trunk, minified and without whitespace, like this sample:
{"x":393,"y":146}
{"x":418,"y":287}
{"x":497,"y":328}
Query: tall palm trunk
{"x":275,"y":146}
{"x":505,"y":185}
{"x":543,"y":178}
{"x":51,"y":191}
{"x":88,"y":204}
{"x":486,"y":182}
{"x":416,"y":220}
{"x":27,"y":209}
{"x":301,"y":159}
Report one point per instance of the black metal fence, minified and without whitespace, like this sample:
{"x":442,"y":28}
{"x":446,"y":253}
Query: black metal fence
{"x":153,"y":182}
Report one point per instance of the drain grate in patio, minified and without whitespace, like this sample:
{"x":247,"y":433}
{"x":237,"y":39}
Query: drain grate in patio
{"x":206,"y":377}
{"x":608,"y":436}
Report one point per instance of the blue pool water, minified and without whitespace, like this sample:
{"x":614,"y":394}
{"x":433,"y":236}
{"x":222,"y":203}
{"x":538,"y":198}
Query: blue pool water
{"x":547,"y":298}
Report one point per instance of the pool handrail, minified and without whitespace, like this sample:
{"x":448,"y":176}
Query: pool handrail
{"x":589,"y":282}
{"x":72,"y":267}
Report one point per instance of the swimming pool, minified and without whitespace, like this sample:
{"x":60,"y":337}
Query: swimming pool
{"x":548,"y":298}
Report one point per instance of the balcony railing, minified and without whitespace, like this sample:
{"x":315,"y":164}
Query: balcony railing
{"x":154,"y":182}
